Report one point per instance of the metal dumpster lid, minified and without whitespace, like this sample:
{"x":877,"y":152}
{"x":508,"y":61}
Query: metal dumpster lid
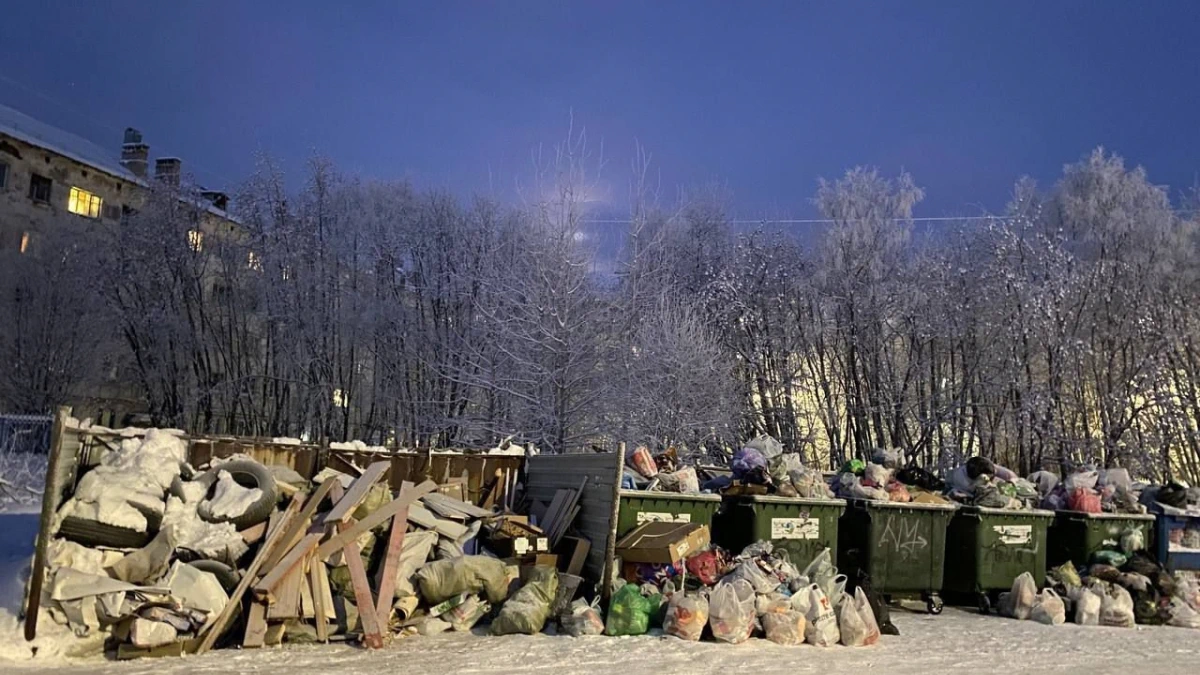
{"x":662,"y":494}
{"x":803,"y":501}
{"x":991,"y":511}
{"x":1110,"y":516}
{"x":904,"y":505}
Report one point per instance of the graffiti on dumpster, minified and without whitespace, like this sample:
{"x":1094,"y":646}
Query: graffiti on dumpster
{"x":903,"y":536}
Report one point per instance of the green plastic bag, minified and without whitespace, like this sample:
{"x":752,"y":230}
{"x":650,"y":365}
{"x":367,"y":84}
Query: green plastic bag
{"x":628,"y":612}
{"x":1114,"y":558}
{"x":527,"y":610}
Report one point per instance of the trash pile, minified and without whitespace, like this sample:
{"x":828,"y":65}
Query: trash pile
{"x":674,"y":579}
{"x":1115,"y":591}
{"x":152,"y":557}
{"x":1090,"y":491}
{"x":886,"y":479}
{"x":760,"y":467}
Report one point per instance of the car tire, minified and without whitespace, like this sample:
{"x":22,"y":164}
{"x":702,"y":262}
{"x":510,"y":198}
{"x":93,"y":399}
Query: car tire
{"x":246,"y":474}
{"x":225,"y":574}
{"x":94,"y":533}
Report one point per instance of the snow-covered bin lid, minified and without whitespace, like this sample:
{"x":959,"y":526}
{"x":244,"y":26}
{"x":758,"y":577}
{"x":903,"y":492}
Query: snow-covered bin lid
{"x":803,"y":501}
{"x":1110,"y":516}
{"x":991,"y":511}
{"x":867,"y":503}
{"x":663,"y":494}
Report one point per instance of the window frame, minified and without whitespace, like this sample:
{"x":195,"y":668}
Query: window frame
{"x":5,"y":170}
{"x":93,"y":203}
{"x":34,"y":180}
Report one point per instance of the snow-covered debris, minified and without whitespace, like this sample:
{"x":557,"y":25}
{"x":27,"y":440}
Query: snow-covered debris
{"x":231,"y":500}
{"x":187,"y":530}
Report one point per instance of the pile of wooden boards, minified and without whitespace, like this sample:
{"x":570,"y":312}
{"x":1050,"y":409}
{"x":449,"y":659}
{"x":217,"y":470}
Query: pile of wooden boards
{"x":288,"y":580}
{"x":556,"y":518}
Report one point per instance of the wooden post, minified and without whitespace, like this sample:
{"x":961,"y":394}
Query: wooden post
{"x":610,"y":546}
{"x":50,"y":497}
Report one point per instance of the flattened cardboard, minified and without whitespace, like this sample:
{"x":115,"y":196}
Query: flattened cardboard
{"x":666,"y":543}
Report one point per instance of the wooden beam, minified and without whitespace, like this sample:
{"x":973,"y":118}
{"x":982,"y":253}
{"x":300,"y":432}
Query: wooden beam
{"x":294,"y":557}
{"x":300,"y":524}
{"x":284,"y":602}
{"x":51,"y":495}
{"x":372,"y":637}
{"x":357,"y":492}
{"x":217,"y":627}
{"x":386,"y":581}
{"x":256,"y":626}
{"x":320,"y":589}
{"x":346,"y":535}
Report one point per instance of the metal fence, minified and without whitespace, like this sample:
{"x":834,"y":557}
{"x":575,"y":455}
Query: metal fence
{"x":25,"y":434}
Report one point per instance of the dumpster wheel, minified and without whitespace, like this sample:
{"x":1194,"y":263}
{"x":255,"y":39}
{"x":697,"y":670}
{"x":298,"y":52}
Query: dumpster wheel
{"x":985,"y":603}
{"x":934,"y":604}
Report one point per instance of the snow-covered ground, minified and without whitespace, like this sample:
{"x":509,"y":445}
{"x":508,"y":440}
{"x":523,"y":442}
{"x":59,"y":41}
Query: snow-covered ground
{"x":955,"y":642}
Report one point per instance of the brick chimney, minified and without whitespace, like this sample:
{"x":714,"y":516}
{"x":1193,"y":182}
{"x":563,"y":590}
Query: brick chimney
{"x":135,"y":155}
{"x":166,"y":169}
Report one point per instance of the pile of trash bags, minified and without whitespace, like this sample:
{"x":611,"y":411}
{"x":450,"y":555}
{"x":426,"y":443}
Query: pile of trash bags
{"x":644,"y":471}
{"x":886,"y":479}
{"x":1090,"y":490}
{"x":1139,"y":591}
{"x":758,"y":592}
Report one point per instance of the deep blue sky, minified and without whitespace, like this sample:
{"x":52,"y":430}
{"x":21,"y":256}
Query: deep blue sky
{"x":763,"y":96}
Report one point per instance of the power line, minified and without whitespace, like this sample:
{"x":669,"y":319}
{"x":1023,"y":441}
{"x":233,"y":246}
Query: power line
{"x":819,"y":221}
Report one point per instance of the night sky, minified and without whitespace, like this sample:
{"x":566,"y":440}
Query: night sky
{"x":764,"y":97}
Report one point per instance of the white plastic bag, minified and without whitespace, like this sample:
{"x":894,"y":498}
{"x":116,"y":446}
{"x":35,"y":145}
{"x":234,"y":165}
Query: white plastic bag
{"x":822,"y":572}
{"x":784,"y":628}
{"x":1024,"y":595}
{"x":863,"y":604}
{"x":802,"y":600}
{"x":1116,"y":608}
{"x":1087,"y":608}
{"x":877,"y":474}
{"x":686,"y":616}
{"x":759,"y":580}
{"x":850,"y":624}
{"x":822,"y":628}
{"x":772,"y":603}
{"x":1182,"y":615}
{"x":731,"y":611}
{"x":1049,"y":609}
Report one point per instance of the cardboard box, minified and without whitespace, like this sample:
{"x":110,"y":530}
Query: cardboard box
{"x":666,"y":543}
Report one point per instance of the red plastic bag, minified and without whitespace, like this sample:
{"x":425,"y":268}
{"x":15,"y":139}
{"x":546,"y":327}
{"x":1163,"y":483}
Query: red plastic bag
{"x":1083,"y":500}
{"x":705,"y":566}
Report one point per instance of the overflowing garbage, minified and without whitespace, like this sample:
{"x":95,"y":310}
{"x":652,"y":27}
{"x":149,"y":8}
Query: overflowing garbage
{"x":710,"y":593}
{"x":888,"y":478}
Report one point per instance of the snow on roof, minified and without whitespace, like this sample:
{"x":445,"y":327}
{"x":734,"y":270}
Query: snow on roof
{"x":35,"y":132}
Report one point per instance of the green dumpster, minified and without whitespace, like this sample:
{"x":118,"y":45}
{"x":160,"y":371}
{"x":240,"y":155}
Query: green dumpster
{"x":987,"y":549}
{"x":1075,"y":535}
{"x":640,"y":506}
{"x":802,"y":527}
{"x":900,"y":546}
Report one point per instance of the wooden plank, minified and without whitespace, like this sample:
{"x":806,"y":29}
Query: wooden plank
{"x":376,"y":518}
{"x":217,"y":627}
{"x":357,"y":492}
{"x":300,"y":525}
{"x":285,"y":598}
{"x":320,"y":589}
{"x":553,"y":512}
{"x":275,"y":633}
{"x":255,"y":533}
{"x":256,"y":626}
{"x":263,"y":589}
{"x":386,"y":580}
{"x":372,"y":637}
{"x":51,"y":496}
{"x":307,"y":610}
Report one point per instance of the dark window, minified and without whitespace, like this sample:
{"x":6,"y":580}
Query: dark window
{"x":39,"y":188}
{"x":127,"y":212}
{"x":112,"y":212}
{"x":3,"y":175}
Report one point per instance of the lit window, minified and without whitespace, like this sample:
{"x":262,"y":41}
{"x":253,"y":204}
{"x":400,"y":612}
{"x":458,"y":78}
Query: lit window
{"x":287,"y":273}
{"x":196,"y":240}
{"x":84,"y":203}
{"x":254,"y":262}
{"x":339,"y":398}
{"x":24,"y":242}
